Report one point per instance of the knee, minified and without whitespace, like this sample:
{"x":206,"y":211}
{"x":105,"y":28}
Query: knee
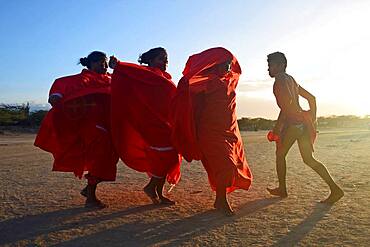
{"x":310,"y":161}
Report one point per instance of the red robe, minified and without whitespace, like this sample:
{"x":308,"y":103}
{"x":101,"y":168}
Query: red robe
{"x":204,"y":120}
{"x":141,"y":98}
{"x":77,"y":129}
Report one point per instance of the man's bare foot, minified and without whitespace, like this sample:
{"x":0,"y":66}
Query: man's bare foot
{"x":152,"y":194}
{"x":166,"y":201}
{"x":95,"y":204}
{"x":334,"y":196}
{"x":84,"y":192}
{"x":224,"y":207}
{"x":277,"y":192}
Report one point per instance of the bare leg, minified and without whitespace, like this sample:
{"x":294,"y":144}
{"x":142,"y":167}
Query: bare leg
{"x":83,"y":192}
{"x":281,"y":152}
{"x":306,"y":153}
{"x":150,"y":191}
{"x":221,"y":202}
{"x":159,"y":189}
{"x":91,"y":200}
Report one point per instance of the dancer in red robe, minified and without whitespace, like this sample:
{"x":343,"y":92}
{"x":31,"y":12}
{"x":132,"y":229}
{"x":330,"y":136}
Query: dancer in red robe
{"x":294,"y":124}
{"x":205,"y":125}
{"x":141,"y":101}
{"x":77,"y":128}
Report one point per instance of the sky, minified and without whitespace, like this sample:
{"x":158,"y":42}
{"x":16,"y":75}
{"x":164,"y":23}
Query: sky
{"x":326,"y":44}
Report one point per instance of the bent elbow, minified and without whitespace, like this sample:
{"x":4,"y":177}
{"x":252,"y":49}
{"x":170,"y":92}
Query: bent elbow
{"x":312,"y":99}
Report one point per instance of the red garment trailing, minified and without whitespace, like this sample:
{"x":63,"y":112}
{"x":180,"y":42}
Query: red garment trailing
{"x":77,"y":129}
{"x":204,"y":120}
{"x":141,"y":98}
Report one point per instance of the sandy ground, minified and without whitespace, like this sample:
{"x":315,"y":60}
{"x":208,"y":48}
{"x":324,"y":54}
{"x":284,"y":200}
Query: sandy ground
{"x":43,"y":208}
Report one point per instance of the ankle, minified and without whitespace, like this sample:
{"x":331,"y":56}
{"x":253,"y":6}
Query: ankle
{"x":282,"y":189}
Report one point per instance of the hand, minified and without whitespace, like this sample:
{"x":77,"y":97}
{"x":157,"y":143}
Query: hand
{"x":272,"y":137}
{"x":54,"y":100}
{"x":113,"y":61}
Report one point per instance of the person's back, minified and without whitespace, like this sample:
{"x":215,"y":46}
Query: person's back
{"x":141,"y":101}
{"x":219,"y":107}
{"x":286,"y":91}
{"x":76,"y":129}
{"x":205,"y":125}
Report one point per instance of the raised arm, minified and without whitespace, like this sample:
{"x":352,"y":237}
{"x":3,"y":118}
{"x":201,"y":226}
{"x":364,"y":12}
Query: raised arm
{"x":310,"y":98}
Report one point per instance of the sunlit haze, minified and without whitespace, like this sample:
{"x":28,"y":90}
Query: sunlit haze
{"x":326,"y":44}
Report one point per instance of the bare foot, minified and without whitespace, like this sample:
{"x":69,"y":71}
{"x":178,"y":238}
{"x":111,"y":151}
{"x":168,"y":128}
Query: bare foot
{"x":152,"y":194}
{"x":224,"y":207}
{"x":277,"y":192}
{"x":95,"y":204}
{"x":166,"y":201}
{"x":84,"y":192}
{"x":334,"y":196}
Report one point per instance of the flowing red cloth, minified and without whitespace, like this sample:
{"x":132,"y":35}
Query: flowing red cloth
{"x":204,"y":119}
{"x":141,"y":101}
{"x":77,"y":129}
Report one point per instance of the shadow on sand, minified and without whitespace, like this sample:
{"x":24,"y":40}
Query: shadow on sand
{"x":29,"y":227}
{"x":301,"y":230}
{"x":165,"y":233}
{"x":141,"y":233}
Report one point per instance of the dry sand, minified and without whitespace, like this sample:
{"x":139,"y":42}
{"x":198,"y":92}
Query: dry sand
{"x":42,"y":208}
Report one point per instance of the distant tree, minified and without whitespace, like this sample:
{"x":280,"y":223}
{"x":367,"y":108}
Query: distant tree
{"x":36,"y":118}
{"x":13,"y":114}
{"x":19,"y":115}
{"x":255,"y":124}
{"x":346,"y":121}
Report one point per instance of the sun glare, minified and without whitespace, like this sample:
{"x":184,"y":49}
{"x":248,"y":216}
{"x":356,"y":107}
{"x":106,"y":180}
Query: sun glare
{"x":329,"y":57}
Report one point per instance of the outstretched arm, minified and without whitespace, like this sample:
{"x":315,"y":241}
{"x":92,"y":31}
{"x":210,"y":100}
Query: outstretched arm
{"x":310,"y":98}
